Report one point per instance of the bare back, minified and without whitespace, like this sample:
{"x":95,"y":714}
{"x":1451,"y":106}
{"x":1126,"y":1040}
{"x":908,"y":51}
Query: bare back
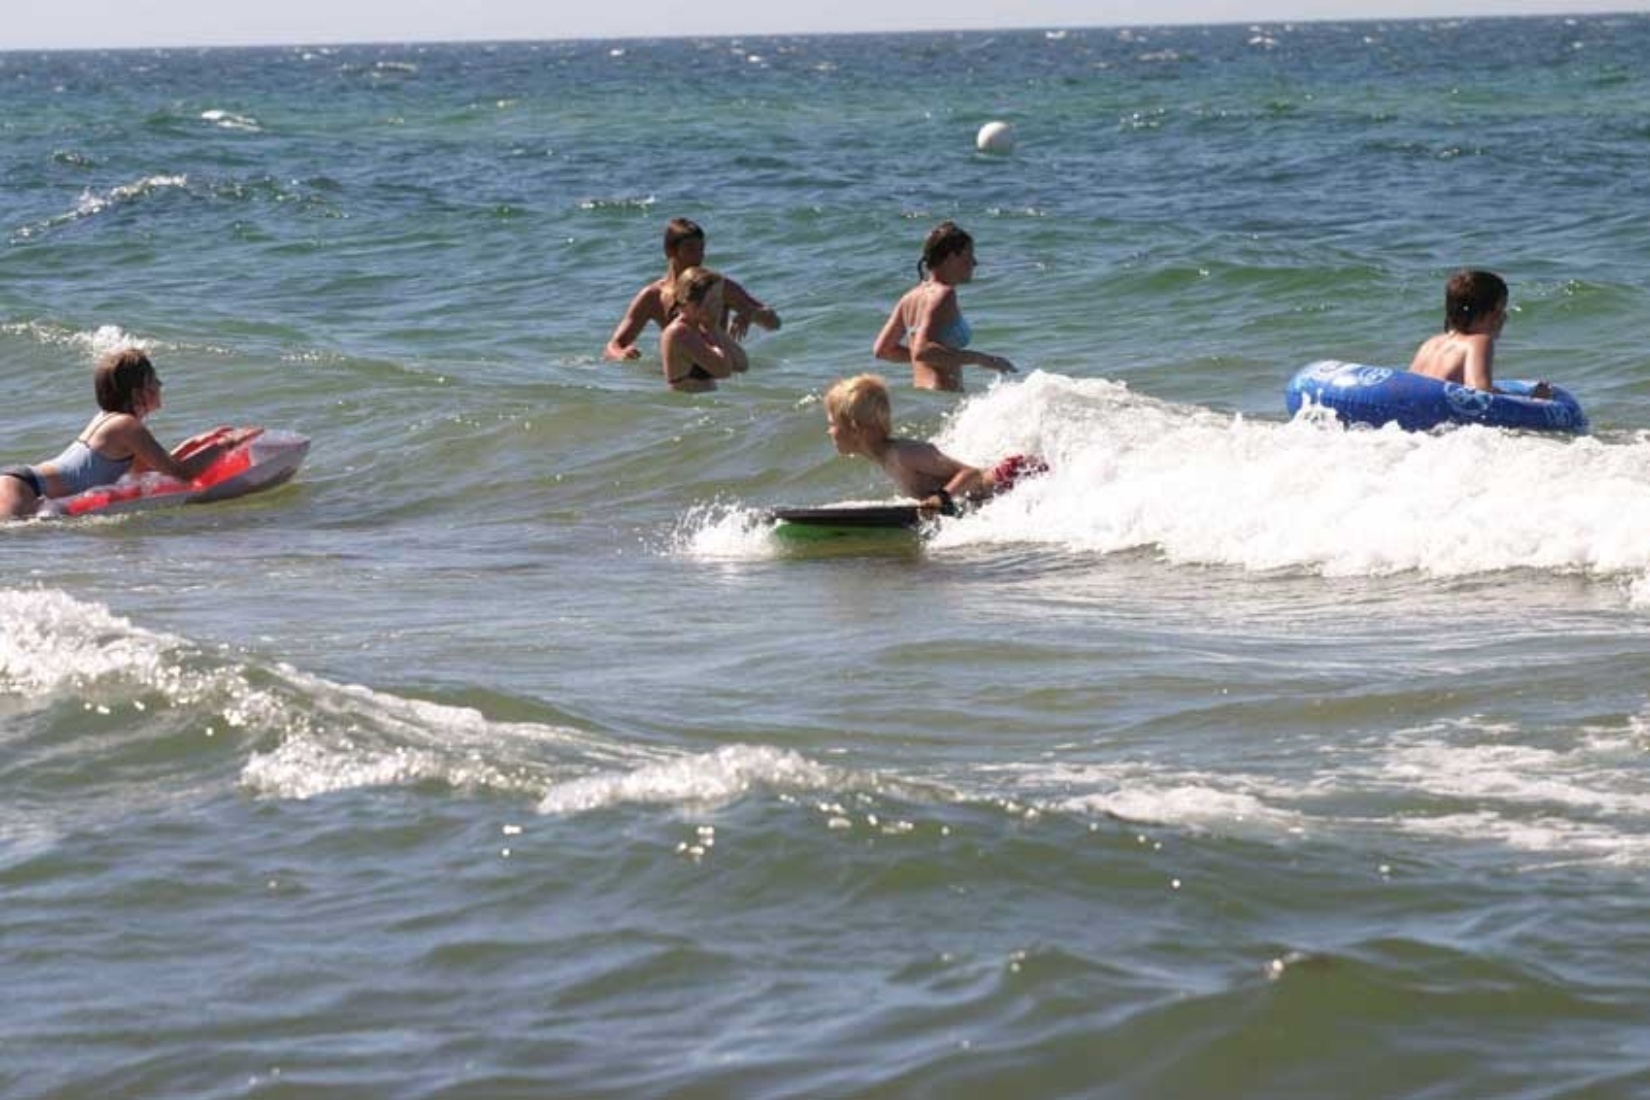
{"x":919,"y":469}
{"x":1460,"y":357}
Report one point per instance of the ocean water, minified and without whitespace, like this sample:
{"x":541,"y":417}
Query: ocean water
{"x":505,"y":753}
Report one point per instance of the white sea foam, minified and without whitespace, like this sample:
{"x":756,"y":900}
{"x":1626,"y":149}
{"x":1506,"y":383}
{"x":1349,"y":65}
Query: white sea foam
{"x":1558,"y":840}
{"x":93,"y":344}
{"x":91,"y":203}
{"x":343,"y":737}
{"x":94,"y":202}
{"x":723,"y":532}
{"x":1594,"y":772}
{"x":321,"y":736}
{"x":707,"y":779}
{"x":50,"y":641}
{"x":1195,"y":804}
{"x":1207,"y":488}
{"x":228,"y":120}
{"x":1581,"y":796}
{"x":1149,"y":792}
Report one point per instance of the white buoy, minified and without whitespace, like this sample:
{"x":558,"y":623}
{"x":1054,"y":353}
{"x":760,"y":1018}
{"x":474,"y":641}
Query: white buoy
{"x":995,"y":137}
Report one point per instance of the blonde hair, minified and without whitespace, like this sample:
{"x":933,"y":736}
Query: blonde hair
{"x":861,"y":401}
{"x":694,"y":285}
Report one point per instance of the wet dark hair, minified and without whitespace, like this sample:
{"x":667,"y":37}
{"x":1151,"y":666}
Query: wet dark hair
{"x":118,"y":377}
{"x":1470,"y":295}
{"x":944,"y":240}
{"x":678,"y":230}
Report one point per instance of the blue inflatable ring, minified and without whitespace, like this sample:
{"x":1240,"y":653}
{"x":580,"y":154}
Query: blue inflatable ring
{"x":1385,"y":395}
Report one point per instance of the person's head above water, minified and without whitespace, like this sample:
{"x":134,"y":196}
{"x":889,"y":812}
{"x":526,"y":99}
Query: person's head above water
{"x":1470,"y":296}
{"x":684,"y":236}
{"x":861,"y":403}
{"x":120,"y":378}
{"x":944,"y":241}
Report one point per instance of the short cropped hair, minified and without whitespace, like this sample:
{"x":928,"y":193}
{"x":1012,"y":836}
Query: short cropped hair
{"x":118,"y":377}
{"x":945,"y":239}
{"x":861,"y":401}
{"x":679,"y":230}
{"x":1470,"y":295}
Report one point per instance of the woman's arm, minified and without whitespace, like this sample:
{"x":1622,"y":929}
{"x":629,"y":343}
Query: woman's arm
{"x":890,"y":344}
{"x":128,"y":433}
{"x":937,"y":314}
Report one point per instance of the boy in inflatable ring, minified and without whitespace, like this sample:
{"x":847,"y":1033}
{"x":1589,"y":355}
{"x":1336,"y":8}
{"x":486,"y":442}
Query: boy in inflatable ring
{"x":1475,"y":309}
{"x":859,"y":420}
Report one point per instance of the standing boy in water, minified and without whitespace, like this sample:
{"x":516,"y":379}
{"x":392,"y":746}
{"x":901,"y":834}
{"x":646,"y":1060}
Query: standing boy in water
{"x":1475,"y":309}
{"x":684,"y":248}
{"x":859,"y":419}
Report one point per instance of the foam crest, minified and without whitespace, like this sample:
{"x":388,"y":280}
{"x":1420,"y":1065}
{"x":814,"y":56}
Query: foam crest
{"x":305,"y":767}
{"x":324,"y":736}
{"x":1149,"y":793}
{"x":1209,"y":488}
{"x":722,"y":532}
{"x":49,"y":641}
{"x":1192,"y":804}
{"x":710,"y":779}
{"x":92,"y":203}
{"x":344,"y":737}
{"x":93,"y":344}
{"x":228,"y":120}
{"x":1591,"y":775}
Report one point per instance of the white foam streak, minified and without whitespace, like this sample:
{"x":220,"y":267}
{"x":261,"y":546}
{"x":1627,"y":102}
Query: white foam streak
{"x":304,"y":767}
{"x":1587,"y":777}
{"x":228,"y":120}
{"x":93,"y":344}
{"x":711,"y":779}
{"x":1198,"y":805}
{"x":92,"y":203}
{"x":346,"y":737}
{"x":1576,"y":796}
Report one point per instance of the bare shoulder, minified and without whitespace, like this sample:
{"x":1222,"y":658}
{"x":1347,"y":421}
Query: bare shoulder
{"x":117,"y":427}
{"x":924,"y":299}
{"x":650,"y":300}
{"x":1439,"y":356}
{"x":920,"y":455}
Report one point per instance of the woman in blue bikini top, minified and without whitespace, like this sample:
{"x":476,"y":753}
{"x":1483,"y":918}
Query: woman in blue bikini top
{"x":926,"y":328}
{"x":115,"y":443}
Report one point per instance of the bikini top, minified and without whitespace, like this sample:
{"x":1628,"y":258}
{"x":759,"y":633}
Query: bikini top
{"x":80,"y":468}
{"x":957,"y":334}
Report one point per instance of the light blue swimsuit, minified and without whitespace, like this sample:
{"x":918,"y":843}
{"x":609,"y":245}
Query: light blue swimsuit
{"x":957,"y":334}
{"x":79,"y":467}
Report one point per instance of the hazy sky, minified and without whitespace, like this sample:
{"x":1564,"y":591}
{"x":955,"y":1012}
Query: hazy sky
{"x":32,"y":24}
